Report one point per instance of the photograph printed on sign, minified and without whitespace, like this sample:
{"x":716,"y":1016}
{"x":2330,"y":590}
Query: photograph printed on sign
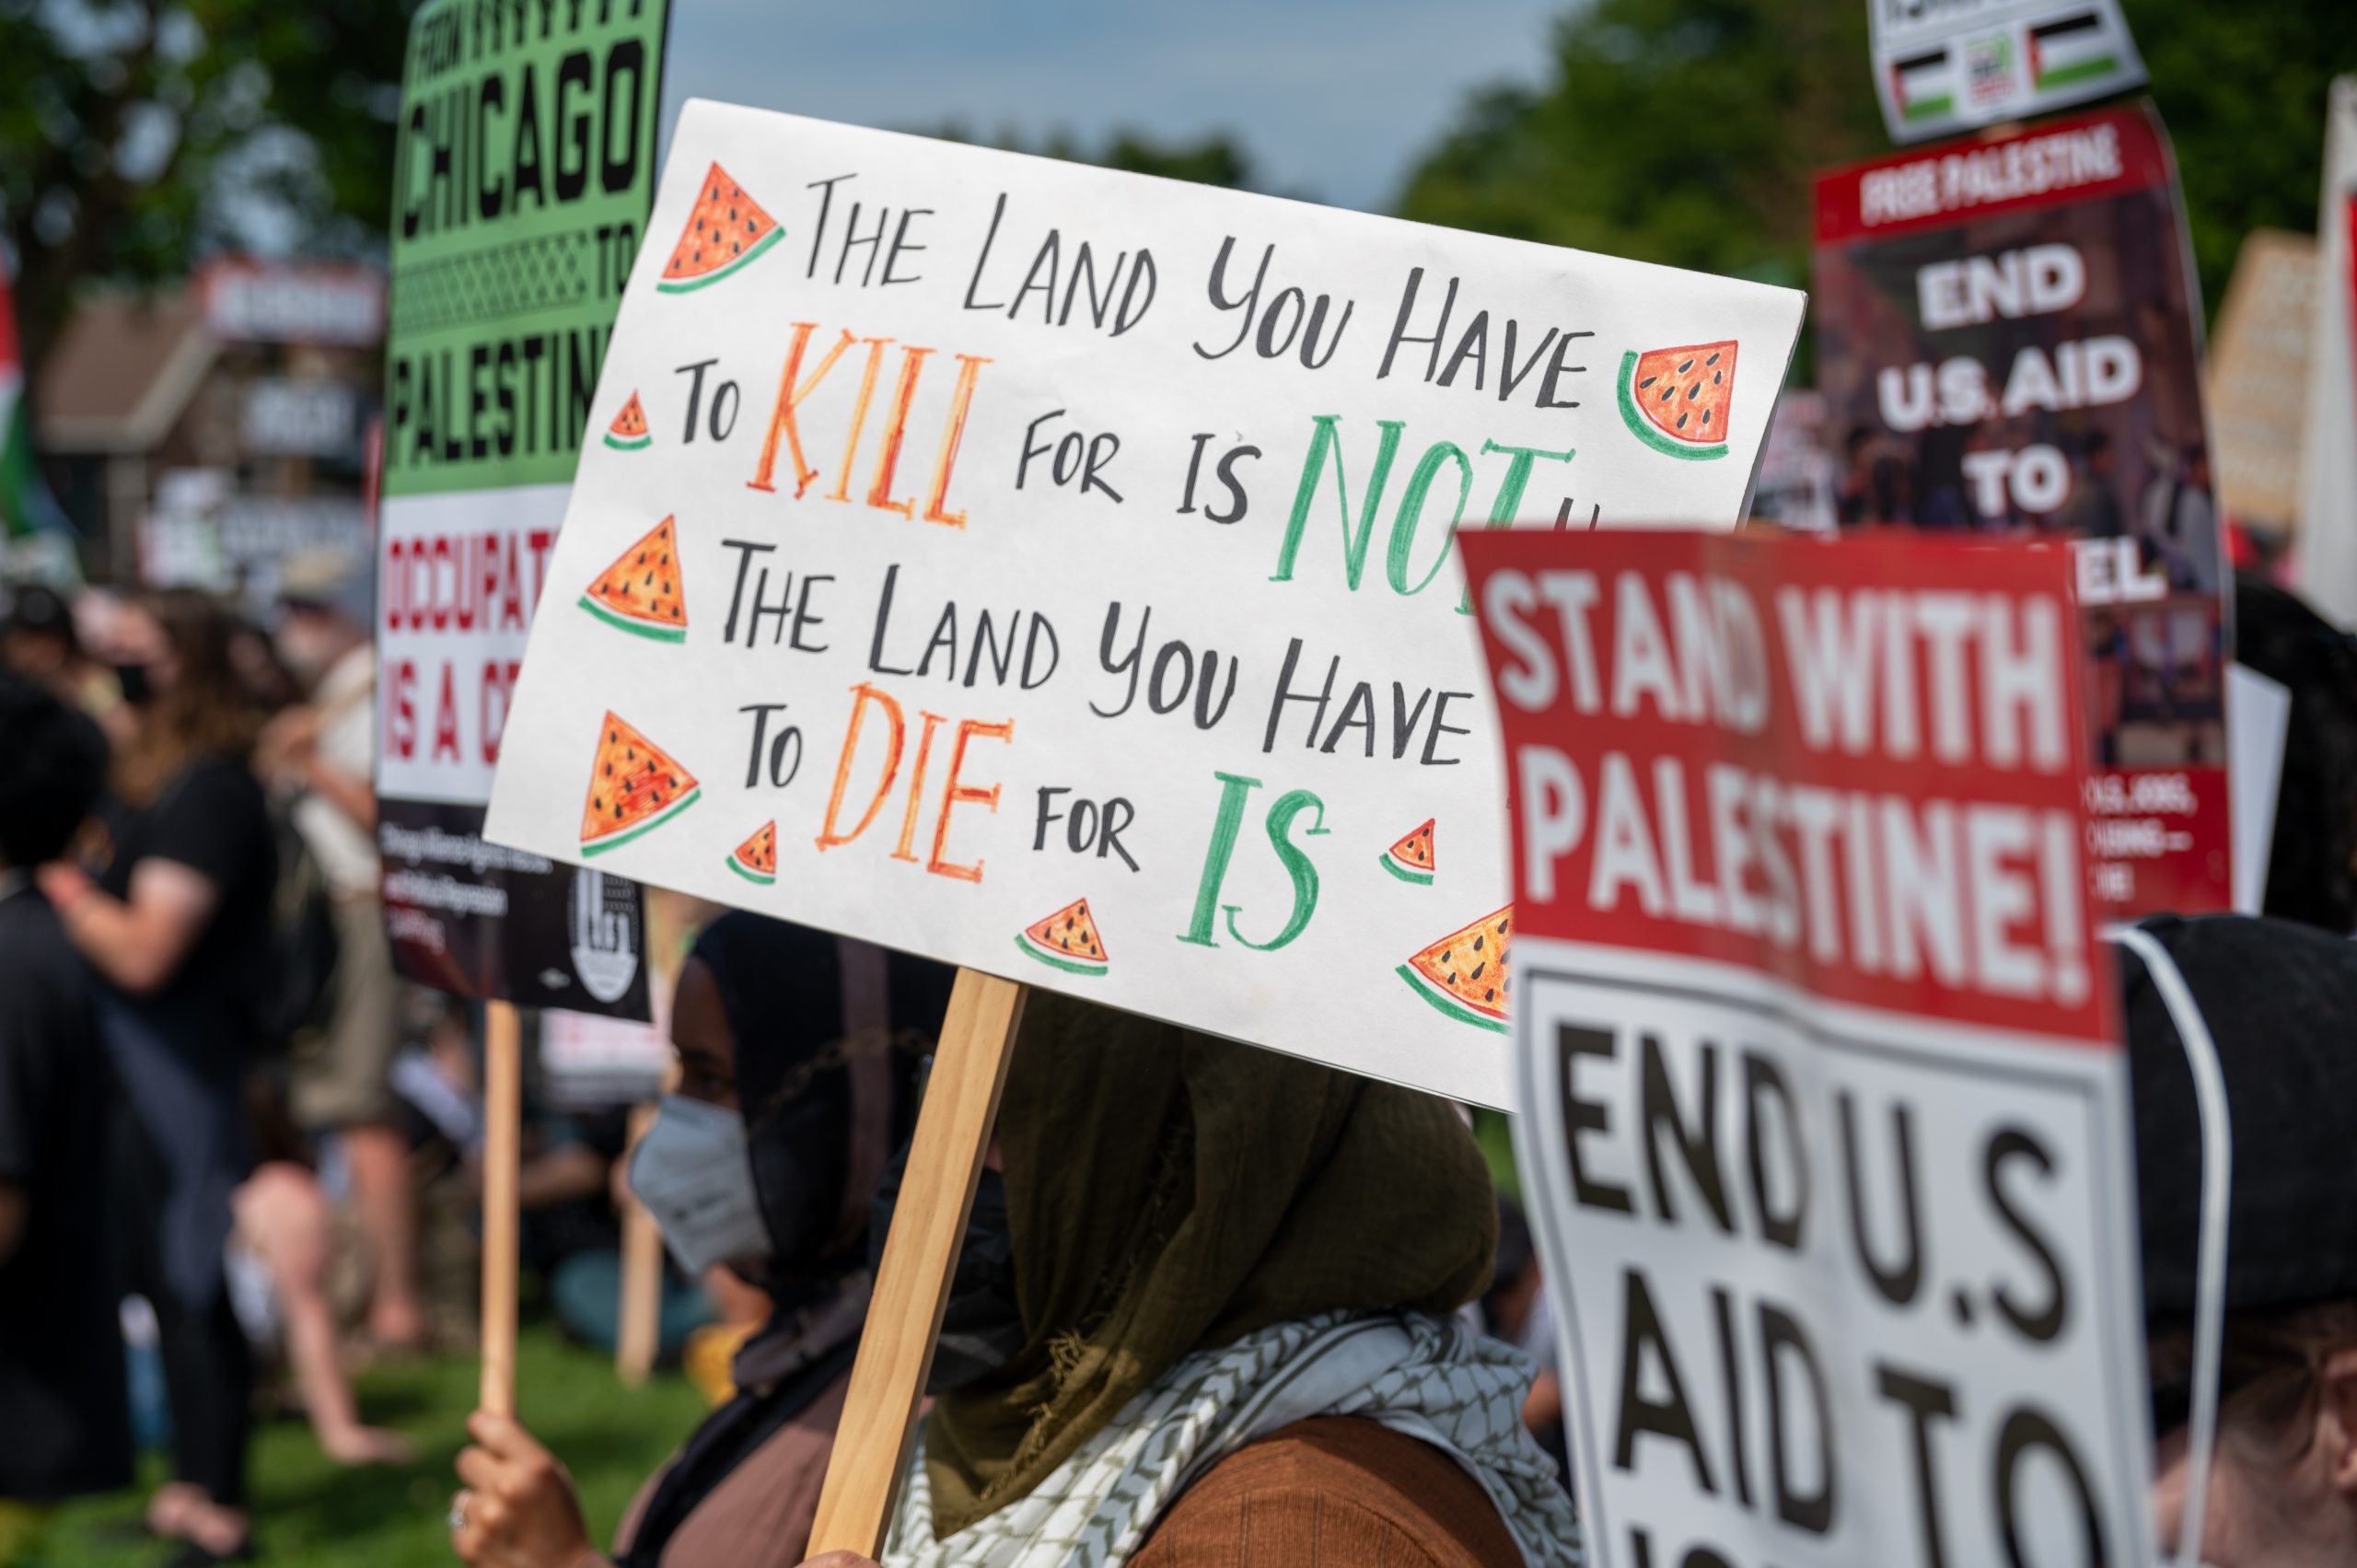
{"x":1053,"y":570}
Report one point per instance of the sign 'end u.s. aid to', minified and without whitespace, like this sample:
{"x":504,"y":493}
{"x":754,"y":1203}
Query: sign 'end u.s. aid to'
{"x":1821,"y":1111}
{"x":1053,"y":570}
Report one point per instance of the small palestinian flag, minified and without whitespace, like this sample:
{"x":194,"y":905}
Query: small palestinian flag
{"x":2070,"y":51}
{"x":1922,"y":87}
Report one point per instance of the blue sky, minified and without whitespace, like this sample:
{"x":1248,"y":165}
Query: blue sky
{"x":1331,"y":98}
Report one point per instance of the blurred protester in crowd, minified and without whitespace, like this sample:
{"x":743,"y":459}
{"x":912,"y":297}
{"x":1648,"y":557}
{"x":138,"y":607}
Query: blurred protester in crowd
{"x":65,"y":1415}
{"x":342,"y":1078}
{"x":2280,"y":1002}
{"x":286,"y":1226}
{"x":1516,"y":1309}
{"x":797,"y":1055}
{"x":39,"y":639}
{"x":568,"y":1187}
{"x":1184,"y":1232}
{"x":2312,"y":868}
{"x":2094,"y":510}
{"x":177,"y":925}
{"x":2177,"y":519}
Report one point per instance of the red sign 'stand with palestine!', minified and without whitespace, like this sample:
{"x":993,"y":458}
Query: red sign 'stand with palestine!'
{"x":1820,"y":1111}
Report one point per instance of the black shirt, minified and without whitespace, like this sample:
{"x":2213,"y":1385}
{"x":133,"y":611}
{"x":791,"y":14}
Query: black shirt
{"x":65,"y":1423}
{"x":210,"y":818}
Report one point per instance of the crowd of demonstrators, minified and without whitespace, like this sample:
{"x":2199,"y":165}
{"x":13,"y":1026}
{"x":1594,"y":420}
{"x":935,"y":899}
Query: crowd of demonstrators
{"x":152,"y":909}
{"x":173,"y":916}
{"x":1296,"y":1287}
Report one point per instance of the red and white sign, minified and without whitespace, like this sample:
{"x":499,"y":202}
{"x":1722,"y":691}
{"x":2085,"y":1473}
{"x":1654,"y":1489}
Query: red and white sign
{"x":1820,"y":1110}
{"x":2008,"y":342}
{"x":455,"y":589}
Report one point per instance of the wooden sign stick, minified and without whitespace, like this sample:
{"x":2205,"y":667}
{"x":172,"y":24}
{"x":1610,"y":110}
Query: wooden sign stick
{"x":920,"y":1254}
{"x":639,"y":1321}
{"x":503,"y":1113}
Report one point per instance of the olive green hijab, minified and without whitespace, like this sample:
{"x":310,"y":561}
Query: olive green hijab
{"x":1168,"y":1191}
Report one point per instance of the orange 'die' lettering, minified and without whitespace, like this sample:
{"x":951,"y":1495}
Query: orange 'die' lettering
{"x":953,"y":792}
{"x":793,"y":388}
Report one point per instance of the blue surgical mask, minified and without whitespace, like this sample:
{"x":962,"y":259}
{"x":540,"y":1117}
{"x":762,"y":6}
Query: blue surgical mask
{"x":693,"y":1173}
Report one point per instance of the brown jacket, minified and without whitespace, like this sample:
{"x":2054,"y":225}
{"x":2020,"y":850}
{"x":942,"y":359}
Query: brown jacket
{"x":763,"y":1512}
{"x":1333,"y":1492}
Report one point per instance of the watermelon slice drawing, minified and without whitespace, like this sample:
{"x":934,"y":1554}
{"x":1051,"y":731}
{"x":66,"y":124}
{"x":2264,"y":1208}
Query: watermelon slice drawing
{"x":1464,"y":973}
{"x":635,"y":786}
{"x":1067,"y":940}
{"x":1411,"y":859}
{"x":724,"y":234}
{"x":756,"y":859}
{"x":628,"y":433}
{"x":1676,"y":400}
{"x":641,"y":592}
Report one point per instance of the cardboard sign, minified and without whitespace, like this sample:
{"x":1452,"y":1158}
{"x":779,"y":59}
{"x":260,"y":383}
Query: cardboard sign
{"x":1052,"y":571}
{"x":2256,"y":383}
{"x":1820,"y":1111}
{"x":2007,"y":342}
{"x":525,"y":168}
{"x":1949,"y":65}
{"x":2327,"y":560}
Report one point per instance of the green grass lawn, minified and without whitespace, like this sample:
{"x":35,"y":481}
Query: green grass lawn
{"x":308,"y":1512}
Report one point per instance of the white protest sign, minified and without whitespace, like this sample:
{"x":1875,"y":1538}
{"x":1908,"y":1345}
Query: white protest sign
{"x":1943,"y":66}
{"x":2326,"y":551}
{"x":1051,"y":571}
{"x":1821,"y":1115}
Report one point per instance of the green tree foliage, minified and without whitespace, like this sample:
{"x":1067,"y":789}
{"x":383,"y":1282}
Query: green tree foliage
{"x":1675,"y":131}
{"x":1686,"y":131}
{"x":2242,"y":89}
{"x":132,"y":131}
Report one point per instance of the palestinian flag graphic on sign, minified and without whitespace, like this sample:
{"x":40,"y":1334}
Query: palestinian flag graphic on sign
{"x":2070,"y":50}
{"x":1921,"y":85}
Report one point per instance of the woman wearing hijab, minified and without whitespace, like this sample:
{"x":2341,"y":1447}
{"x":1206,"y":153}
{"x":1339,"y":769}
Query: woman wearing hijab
{"x":1213,"y":1323}
{"x":798,"y":1058}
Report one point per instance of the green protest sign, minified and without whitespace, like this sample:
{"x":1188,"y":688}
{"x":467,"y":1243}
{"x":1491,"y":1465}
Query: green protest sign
{"x":523,"y":173}
{"x":525,"y":170}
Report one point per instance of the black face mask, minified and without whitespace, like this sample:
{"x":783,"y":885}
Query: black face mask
{"x":981,"y":1328}
{"x":137,"y":689}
